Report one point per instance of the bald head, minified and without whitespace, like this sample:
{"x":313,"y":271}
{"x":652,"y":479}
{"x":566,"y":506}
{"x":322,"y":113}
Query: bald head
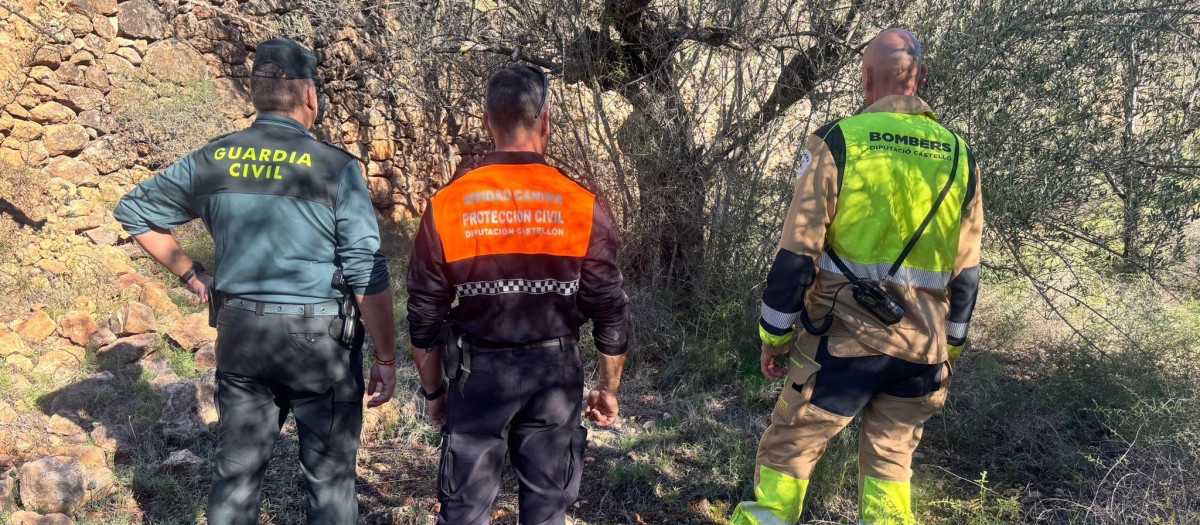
{"x":893,"y":65}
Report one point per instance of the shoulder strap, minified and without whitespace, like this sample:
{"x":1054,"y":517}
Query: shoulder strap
{"x":912,"y":243}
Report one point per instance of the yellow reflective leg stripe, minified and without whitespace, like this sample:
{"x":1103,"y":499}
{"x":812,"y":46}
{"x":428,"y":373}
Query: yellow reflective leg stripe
{"x":780,"y":499}
{"x":886,"y":502}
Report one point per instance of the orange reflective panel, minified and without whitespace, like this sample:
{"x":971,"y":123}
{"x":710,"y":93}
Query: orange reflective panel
{"x":506,"y":208}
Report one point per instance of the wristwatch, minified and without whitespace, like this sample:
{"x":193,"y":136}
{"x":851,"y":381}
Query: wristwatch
{"x":441,"y":391}
{"x":195,"y":269}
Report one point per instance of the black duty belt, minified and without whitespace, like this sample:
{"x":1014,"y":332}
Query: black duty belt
{"x":481,"y":345}
{"x":327,"y":308}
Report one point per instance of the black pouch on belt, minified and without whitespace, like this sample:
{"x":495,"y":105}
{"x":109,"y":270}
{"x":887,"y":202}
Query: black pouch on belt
{"x":215,"y":301}
{"x":349,"y":314}
{"x":452,"y":351}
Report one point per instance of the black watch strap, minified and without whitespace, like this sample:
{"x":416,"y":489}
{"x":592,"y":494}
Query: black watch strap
{"x":441,"y":391}
{"x":195,"y":269}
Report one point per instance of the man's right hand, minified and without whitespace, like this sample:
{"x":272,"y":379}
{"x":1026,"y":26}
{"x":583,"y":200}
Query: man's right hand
{"x":602,"y":407}
{"x":766,"y":361}
{"x":436,"y":410}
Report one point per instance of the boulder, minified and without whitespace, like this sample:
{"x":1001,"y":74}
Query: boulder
{"x":154,"y":294}
{"x":11,"y":344}
{"x":80,"y":98}
{"x":71,"y":170}
{"x":206,"y":357}
{"x":104,"y":28}
{"x":25,"y":517}
{"x":96,"y":78}
{"x":61,"y":424}
{"x":79,"y":24}
{"x":87,"y":455}
{"x":7,"y":501}
{"x":102,"y":337}
{"x":99,"y":121}
{"x":24,"y":130}
{"x":102,"y":236}
{"x":380,"y":190}
{"x":105,"y":7}
{"x":131,"y":56}
{"x":141,"y":19}
{"x":160,"y":372}
{"x":110,"y":153}
{"x":191,"y":331}
{"x":69,"y":73}
{"x":133,"y":318}
{"x":175,"y":61}
{"x":36,"y":327}
{"x":129,"y":349}
{"x":51,"y":113}
{"x":182,"y":463}
{"x":65,"y":139}
{"x":118,"y":440}
{"x":180,"y":419}
{"x":78,"y":327}
{"x":54,"y":484}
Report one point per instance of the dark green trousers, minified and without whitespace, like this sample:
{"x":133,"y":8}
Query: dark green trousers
{"x":268,"y":365}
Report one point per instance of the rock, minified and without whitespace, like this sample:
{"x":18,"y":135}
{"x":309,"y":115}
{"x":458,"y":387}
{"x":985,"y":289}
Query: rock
{"x":19,"y":363}
{"x":154,"y":294}
{"x":25,"y":517}
{"x":104,"y":7}
{"x":99,"y":121}
{"x":104,"y":28}
{"x":192,"y":331}
{"x":234,"y":97}
{"x":115,"y":260}
{"x":7,"y":414}
{"x":87,"y":455}
{"x":36,"y":327}
{"x":78,"y":327}
{"x":382,"y":149}
{"x":141,"y":19}
{"x":84,"y":303}
{"x":61,"y":424}
{"x":79,"y":24}
{"x":80,"y":98}
{"x":118,"y":440}
{"x":51,"y":113}
{"x":102,"y":236}
{"x":182,"y":463}
{"x":175,"y":61}
{"x":99,"y":484}
{"x":133,"y":318}
{"x":11,"y":344}
{"x":109,"y":154}
{"x":52,"y":267}
{"x":132,"y":279}
{"x":25,"y":131}
{"x":206,"y":395}
{"x":129,"y":349}
{"x":96,"y":78}
{"x":7,"y":503}
{"x":380,"y":190}
{"x":71,"y":170}
{"x":52,"y":484}
{"x":131,"y":56}
{"x":160,"y":372}
{"x":70,"y":74}
{"x":206,"y":357}
{"x":64,"y":139}
{"x":180,"y":420}
{"x":102,"y":337}
{"x":46,"y":56}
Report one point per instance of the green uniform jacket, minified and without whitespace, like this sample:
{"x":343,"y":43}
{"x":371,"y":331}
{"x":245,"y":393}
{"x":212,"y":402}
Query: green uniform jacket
{"x":284,"y":209}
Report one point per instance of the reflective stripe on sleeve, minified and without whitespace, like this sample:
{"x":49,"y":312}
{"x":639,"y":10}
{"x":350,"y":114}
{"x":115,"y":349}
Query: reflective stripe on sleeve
{"x":957,"y":330}
{"x":777,"y":319}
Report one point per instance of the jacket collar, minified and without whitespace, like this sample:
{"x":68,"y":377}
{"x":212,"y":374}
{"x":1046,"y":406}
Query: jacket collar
{"x":512,"y":157}
{"x":271,"y":119}
{"x":901,"y":104}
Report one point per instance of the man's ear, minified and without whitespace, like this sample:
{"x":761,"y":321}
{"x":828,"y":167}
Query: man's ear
{"x":867,"y":81}
{"x":310,"y":98}
{"x":922,"y":75}
{"x":544,"y":123}
{"x":487,"y":123}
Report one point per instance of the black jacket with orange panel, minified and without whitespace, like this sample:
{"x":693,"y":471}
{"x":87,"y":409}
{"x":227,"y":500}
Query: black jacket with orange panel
{"x":529,"y":254}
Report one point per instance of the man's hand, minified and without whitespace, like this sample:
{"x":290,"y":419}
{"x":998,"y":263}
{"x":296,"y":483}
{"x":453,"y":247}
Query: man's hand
{"x":766,"y":361}
{"x":199,"y":285}
{"x":436,"y":410}
{"x":602,"y":407}
{"x":383,"y":379}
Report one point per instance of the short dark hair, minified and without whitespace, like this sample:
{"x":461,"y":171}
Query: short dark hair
{"x":277,"y":95}
{"x":516,"y":97}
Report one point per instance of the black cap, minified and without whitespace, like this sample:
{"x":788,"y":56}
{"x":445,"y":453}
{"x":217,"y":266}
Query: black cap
{"x":292,"y":59}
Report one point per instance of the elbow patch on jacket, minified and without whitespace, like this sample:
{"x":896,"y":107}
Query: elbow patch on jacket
{"x":783,"y":298}
{"x":964,"y":290}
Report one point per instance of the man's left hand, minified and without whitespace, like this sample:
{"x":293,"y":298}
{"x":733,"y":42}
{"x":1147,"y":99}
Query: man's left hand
{"x":383,"y":380}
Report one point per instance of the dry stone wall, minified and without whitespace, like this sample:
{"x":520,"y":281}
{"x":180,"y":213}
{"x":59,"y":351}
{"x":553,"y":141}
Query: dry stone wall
{"x":93,"y":62}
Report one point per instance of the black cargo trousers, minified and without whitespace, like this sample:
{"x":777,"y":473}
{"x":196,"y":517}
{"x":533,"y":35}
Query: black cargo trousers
{"x":524,"y":402}
{"x":268,"y":364}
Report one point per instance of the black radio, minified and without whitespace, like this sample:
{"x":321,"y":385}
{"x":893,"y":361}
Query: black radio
{"x":883,"y":306}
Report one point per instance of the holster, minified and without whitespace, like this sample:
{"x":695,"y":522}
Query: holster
{"x":351,"y":335}
{"x":216,"y":300}
{"x":456,"y":357}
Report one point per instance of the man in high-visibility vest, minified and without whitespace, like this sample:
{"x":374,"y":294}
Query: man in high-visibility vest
{"x":879,"y":262}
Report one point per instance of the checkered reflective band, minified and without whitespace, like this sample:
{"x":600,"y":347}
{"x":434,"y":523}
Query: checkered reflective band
{"x":504,"y":286}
